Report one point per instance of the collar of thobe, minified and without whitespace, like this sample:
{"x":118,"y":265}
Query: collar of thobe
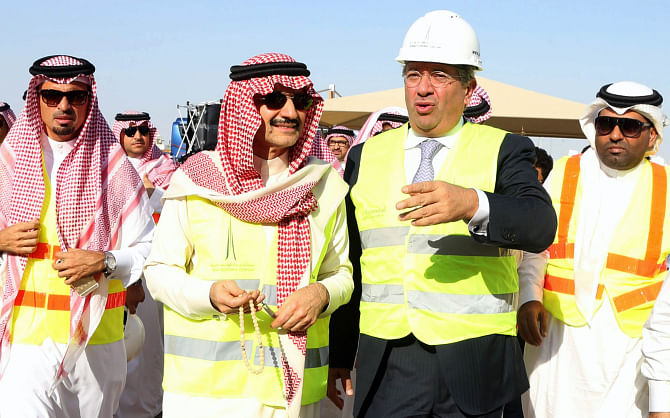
{"x":271,"y":169}
{"x":448,"y":140}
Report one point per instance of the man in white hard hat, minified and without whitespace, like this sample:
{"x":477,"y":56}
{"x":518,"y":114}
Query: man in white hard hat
{"x":584,"y":318}
{"x":435,"y":279}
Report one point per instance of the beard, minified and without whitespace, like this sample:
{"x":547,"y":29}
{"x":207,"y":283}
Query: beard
{"x":63,"y":130}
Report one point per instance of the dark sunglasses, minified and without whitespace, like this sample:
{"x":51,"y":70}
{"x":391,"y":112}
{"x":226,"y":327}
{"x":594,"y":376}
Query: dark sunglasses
{"x":75,"y":97}
{"x":277,"y":99}
{"x":631,"y":128}
{"x":131,"y":130}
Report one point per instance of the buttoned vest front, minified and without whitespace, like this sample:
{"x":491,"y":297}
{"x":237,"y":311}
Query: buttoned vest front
{"x":203,"y":356}
{"x":636,"y":260}
{"x":435,"y":282}
{"x":42,"y":306}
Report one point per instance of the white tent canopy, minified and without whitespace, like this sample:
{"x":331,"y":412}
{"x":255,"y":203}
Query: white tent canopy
{"x":514,"y":109}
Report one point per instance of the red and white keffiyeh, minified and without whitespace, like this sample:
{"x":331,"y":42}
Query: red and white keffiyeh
{"x":97,"y":188}
{"x":374,"y":124}
{"x":8,"y":114}
{"x":321,"y":151}
{"x":157,"y":166}
{"x":478,"y":113}
{"x":288,"y":208}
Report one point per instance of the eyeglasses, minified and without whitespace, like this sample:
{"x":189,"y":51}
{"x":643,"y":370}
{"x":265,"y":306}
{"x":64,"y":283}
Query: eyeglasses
{"x":631,"y":128}
{"x":131,"y":130}
{"x":277,"y":99}
{"x":437,"y":78}
{"x":53,"y":97}
{"x":338,"y":144}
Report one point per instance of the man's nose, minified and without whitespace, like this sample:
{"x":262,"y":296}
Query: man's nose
{"x":425,"y":86}
{"x":616,"y":135}
{"x":64,"y":104}
{"x":289,"y":111}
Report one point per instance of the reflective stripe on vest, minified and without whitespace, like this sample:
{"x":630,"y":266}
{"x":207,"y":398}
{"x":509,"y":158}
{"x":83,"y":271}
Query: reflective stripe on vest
{"x":621,"y":302}
{"x":230,"y":350}
{"x":439,"y":302}
{"x":61,"y":302}
{"x":270,"y":291}
{"x":428,"y":243}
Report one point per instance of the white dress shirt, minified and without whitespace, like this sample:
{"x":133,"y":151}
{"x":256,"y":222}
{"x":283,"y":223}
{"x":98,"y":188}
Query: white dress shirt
{"x":480,"y":221}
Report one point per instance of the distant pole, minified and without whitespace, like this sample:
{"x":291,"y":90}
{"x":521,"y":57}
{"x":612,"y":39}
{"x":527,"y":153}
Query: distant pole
{"x":331,"y":91}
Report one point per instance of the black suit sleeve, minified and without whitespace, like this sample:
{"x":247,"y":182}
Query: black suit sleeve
{"x":344,"y":322}
{"x":521,"y":215}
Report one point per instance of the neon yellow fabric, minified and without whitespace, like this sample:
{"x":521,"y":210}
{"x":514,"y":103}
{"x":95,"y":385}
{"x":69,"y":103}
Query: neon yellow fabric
{"x":435,"y":282}
{"x":31,"y":325}
{"x":629,"y":239}
{"x":203,"y":357}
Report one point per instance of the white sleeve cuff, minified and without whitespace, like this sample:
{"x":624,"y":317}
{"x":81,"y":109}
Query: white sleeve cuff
{"x":659,"y":396}
{"x":197,"y":295}
{"x":479,"y":223}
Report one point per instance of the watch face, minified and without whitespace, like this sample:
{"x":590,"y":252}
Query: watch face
{"x":110,"y":262}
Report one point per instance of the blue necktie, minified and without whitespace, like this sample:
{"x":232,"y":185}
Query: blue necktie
{"x":425,"y":171}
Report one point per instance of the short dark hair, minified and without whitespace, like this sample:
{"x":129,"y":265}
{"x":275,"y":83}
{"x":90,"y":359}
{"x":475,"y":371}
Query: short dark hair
{"x":544,"y":162}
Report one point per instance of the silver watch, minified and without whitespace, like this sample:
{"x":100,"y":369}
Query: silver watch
{"x":110,"y":263}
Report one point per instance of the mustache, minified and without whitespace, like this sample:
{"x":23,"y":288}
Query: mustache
{"x":285,"y":121}
{"x":59,"y":113}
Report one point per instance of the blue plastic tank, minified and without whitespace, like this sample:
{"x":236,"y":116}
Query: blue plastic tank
{"x":178,"y":127}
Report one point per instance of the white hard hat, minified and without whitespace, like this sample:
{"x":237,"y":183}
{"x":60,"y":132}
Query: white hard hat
{"x":133,"y":336}
{"x":441,"y":36}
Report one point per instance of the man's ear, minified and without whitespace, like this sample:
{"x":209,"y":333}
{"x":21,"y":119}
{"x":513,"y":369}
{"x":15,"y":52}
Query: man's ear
{"x":653,"y":137}
{"x":469,"y":90}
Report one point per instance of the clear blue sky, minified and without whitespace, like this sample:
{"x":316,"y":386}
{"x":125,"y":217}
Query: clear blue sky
{"x":152,"y":55}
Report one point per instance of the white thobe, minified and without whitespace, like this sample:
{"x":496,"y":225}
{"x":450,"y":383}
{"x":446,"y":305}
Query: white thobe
{"x":594,"y":370}
{"x":94,"y":386}
{"x":190,"y":297}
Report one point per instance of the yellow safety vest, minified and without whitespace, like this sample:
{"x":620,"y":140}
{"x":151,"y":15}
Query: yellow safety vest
{"x":435,"y":282}
{"x":203,"y":357}
{"x":42,"y":306}
{"x":636,"y":260}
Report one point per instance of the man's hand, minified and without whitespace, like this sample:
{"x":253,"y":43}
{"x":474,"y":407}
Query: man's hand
{"x":345,"y":378}
{"x":532,"y":320}
{"x":75,"y":264}
{"x":227,"y":297}
{"x":148,"y":185}
{"x":301,"y":309}
{"x":134,"y":295}
{"x":437,"y":202}
{"x":20,"y":238}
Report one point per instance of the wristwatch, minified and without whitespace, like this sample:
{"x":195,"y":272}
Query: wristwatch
{"x":110,"y":263}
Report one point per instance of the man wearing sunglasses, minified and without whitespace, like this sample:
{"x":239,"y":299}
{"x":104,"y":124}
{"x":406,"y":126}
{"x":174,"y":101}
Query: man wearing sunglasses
{"x":75,"y":228}
{"x":7,"y":119}
{"x":433,"y":208}
{"x":142,"y":394}
{"x":339,"y":139}
{"x":137,"y":135}
{"x":254,"y":221}
{"x":584,"y":319}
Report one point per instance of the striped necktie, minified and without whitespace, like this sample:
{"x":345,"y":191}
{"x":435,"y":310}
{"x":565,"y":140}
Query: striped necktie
{"x":425,"y":171}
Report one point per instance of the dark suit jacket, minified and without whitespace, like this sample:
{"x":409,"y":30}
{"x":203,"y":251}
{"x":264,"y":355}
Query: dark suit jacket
{"x":483,"y":373}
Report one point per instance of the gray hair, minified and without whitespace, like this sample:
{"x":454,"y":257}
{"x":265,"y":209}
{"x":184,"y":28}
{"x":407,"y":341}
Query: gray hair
{"x":465,"y":72}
